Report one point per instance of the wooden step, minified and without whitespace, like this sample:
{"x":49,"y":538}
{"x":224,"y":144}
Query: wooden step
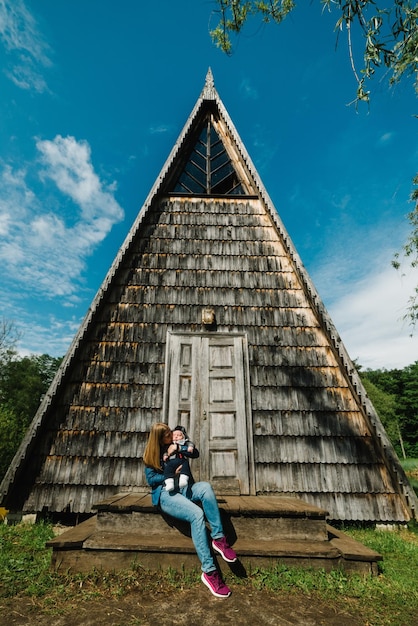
{"x":128,"y":530}
{"x":254,"y":516}
{"x":84,"y":548}
{"x":267,"y":506}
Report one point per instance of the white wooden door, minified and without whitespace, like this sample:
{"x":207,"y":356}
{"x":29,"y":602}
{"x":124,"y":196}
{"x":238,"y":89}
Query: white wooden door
{"x":207,"y":392}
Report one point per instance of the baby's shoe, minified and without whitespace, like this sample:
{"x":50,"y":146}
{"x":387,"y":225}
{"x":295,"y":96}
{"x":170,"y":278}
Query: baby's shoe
{"x":169,"y":484}
{"x":183,"y":480}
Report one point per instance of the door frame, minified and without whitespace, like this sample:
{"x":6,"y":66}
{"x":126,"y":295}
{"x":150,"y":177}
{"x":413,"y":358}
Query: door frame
{"x":246,"y":389}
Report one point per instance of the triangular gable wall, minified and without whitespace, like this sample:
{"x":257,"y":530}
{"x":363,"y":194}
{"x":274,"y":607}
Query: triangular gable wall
{"x":316,"y":435}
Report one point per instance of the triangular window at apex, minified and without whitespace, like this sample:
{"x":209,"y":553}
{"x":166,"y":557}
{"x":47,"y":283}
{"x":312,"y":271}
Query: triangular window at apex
{"x":209,"y":169}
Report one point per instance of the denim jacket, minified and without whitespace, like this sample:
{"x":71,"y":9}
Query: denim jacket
{"x":155,"y":479}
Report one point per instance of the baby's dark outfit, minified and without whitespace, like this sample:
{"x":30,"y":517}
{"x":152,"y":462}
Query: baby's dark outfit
{"x":175,"y":460}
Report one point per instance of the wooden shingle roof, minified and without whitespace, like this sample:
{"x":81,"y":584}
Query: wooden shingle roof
{"x":314,"y":432}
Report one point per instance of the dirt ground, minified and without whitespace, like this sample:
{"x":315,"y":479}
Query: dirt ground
{"x":191,"y":607}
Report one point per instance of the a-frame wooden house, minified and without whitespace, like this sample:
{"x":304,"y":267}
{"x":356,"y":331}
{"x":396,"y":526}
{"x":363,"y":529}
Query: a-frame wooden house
{"x":208,"y":318}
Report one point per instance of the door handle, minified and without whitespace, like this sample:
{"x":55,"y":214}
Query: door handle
{"x":204,"y":415}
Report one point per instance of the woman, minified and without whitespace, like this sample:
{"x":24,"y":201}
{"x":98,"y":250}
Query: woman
{"x":181,"y":504}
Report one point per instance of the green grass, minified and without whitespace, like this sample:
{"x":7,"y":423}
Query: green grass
{"x":409,"y":464}
{"x":24,"y":561}
{"x":391,"y":598}
{"x":411,"y":468}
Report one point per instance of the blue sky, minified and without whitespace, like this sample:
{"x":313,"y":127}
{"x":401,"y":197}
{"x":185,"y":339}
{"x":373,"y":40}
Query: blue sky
{"x":93,"y":96}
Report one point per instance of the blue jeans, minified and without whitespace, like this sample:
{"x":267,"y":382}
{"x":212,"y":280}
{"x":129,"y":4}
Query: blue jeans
{"x":181,"y":505}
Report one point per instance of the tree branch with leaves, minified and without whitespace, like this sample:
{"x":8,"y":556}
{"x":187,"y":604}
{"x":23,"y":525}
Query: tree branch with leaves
{"x":390,"y":33}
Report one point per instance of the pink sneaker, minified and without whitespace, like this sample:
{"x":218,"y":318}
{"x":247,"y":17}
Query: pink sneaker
{"x":226,"y":552}
{"x":214,"y":582}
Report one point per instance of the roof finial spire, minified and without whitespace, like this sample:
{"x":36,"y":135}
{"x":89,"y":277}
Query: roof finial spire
{"x":209,"y":88}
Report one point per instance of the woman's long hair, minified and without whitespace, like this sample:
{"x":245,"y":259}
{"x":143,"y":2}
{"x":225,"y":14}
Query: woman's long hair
{"x":152,"y":453}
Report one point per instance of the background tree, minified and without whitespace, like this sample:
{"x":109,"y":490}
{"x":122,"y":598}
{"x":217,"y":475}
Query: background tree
{"x":408,"y":409}
{"x":410,"y":251}
{"x":23,"y":382}
{"x":11,"y":434}
{"x":385,"y":405}
{"x":9,"y":336}
{"x":389,"y":381}
{"x":402,"y":386}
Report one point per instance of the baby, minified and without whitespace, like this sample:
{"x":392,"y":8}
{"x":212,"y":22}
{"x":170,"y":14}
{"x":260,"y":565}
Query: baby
{"x":171,"y":463}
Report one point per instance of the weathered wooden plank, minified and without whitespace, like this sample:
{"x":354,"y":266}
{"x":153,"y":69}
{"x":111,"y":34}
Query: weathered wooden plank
{"x":181,"y":261}
{"x":352,"y":549}
{"x":112,"y":501}
{"x":310,"y":423}
{"x":116,"y":394}
{"x":73,"y":498}
{"x":128,"y":353}
{"x":291,"y":399}
{"x":122,"y":371}
{"x":209,"y":205}
{"x":136,"y":541}
{"x":349,"y":479}
{"x":190,"y":215}
{"x":215,"y":279}
{"x":298,"y":376}
{"x":134,"y":501}
{"x":136,"y":419}
{"x":387,"y":507}
{"x":88,"y":560}
{"x":288,"y":355}
{"x":118,"y":331}
{"x":221,"y":295}
{"x":98,"y":443}
{"x":217,"y":232}
{"x":269,"y":506}
{"x":154,"y":543}
{"x":102,"y":471}
{"x":314,"y":449}
{"x":74,"y":537}
{"x":132,"y":326}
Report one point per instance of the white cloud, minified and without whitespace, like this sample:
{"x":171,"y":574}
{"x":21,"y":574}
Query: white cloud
{"x":369,"y":318}
{"x":28,"y":53}
{"x":68,"y":163}
{"x":39,"y":248}
{"x":160,"y":129}
{"x":385,"y":139}
{"x":5,"y":220}
{"x":51,"y":335}
{"x":11,"y":254}
{"x":247,"y":90}
{"x":366,"y":297}
{"x":25,"y":75}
